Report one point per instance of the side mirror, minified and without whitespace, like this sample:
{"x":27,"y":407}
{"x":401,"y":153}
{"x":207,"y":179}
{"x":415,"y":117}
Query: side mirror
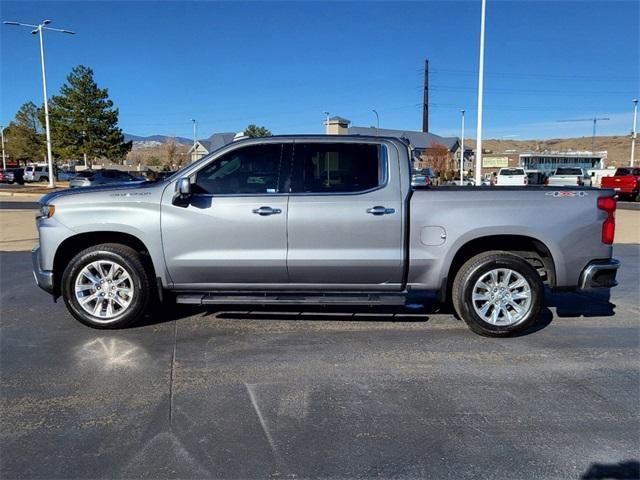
{"x":183,"y":187}
{"x":183,"y":192}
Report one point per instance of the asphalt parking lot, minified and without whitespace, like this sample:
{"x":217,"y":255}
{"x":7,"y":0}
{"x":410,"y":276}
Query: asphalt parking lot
{"x":340,"y":393}
{"x":239,"y":393}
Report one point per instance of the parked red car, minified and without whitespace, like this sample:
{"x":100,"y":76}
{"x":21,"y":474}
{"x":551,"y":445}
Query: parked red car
{"x":626,"y":183}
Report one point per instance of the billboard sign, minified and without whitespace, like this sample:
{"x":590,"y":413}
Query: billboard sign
{"x":495,"y":162}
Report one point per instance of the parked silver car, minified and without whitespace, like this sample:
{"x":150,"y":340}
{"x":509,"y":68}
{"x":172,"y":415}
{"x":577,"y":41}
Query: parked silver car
{"x":89,"y":178}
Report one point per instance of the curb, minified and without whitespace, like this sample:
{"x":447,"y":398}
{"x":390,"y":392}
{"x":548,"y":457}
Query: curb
{"x":21,"y":194}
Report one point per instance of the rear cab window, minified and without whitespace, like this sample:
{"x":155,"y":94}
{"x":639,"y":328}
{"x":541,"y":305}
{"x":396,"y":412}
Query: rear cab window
{"x":568,"y":171}
{"x":325,"y":168}
{"x":511,"y":171}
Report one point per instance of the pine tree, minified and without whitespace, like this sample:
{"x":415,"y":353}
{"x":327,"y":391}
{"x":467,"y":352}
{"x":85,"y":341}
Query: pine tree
{"x":24,"y":138}
{"x":83,"y":120}
{"x":255,"y":131}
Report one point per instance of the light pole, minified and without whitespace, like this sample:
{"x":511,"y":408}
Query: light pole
{"x":377,"y":121}
{"x":634,"y":133}
{"x":480,"y":95}
{"x":195,"y":137}
{"x":4,"y":161}
{"x":326,"y":122}
{"x":462,"y":151}
{"x":37,"y":29}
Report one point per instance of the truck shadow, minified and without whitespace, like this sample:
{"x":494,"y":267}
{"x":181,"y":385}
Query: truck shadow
{"x":581,"y":304}
{"x":566,"y":304}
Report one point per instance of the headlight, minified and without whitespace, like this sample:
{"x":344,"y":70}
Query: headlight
{"x":47,"y":211}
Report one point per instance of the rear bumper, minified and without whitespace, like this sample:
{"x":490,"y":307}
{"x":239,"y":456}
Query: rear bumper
{"x":599,"y":274}
{"x":44,"y":278}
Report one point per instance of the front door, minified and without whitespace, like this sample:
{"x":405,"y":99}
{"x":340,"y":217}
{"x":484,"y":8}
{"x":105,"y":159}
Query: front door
{"x":233,"y":232}
{"x":345,"y":218}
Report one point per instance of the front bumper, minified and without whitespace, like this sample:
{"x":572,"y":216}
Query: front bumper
{"x":599,"y":274}
{"x":44,"y":278}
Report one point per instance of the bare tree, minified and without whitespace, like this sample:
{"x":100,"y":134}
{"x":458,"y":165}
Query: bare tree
{"x":437,"y":157}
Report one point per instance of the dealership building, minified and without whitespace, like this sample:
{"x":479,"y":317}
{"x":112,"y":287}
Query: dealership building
{"x":548,"y":162}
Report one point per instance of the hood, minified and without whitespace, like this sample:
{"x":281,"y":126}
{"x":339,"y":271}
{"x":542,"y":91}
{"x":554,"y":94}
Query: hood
{"x":115,"y":187}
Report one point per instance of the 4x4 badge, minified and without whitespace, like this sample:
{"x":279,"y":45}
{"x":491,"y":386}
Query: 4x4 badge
{"x":567,"y":194}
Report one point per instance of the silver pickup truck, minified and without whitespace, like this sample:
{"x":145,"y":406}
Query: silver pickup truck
{"x":320,"y":220}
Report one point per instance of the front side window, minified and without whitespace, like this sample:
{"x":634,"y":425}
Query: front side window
{"x":337,"y":167}
{"x":254,"y":169}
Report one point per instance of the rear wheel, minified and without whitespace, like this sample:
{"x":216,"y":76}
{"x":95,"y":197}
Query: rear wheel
{"x":44,"y":179}
{"x":106,"y":286}
{"x":497,"y":294}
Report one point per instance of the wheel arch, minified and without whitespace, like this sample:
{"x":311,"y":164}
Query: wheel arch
{"x":533,"y":250}
{"x":76,"y":243}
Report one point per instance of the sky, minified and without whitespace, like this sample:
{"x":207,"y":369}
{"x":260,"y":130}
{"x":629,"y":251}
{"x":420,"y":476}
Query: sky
{"x":283,"y":64}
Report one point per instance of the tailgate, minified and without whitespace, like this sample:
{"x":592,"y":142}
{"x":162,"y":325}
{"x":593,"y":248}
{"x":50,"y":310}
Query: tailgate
{"x":626,"y":183}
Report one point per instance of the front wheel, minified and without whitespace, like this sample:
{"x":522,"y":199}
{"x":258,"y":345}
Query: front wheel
{"x":497,"y":294}
{"x":106,"y":286}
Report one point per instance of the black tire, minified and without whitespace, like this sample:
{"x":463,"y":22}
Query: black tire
{"x":478,"y":266}
{"x":44,"y":179}
{"x":129,"y":260}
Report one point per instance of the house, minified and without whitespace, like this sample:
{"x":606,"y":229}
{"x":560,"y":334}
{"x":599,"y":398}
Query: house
{"x":206,"y":146}
{"x":424,"y":144}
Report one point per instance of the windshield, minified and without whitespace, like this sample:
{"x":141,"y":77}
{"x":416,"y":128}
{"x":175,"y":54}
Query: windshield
{"x":569,"y":171}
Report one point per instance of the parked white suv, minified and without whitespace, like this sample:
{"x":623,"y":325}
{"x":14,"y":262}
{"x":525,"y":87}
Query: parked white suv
{"x":512,"y":177}
{"x":36,"y":173}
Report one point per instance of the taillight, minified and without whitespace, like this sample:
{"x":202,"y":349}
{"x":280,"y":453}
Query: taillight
{"x":579,"y":181}
{"x":526,"y":180}
{"x":608,"y":204}
{"x":546,"y":181}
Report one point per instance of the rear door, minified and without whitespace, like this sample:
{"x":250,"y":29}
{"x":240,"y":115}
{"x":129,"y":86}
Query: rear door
{"x":345,"y":217}
{"x":233,"y":232}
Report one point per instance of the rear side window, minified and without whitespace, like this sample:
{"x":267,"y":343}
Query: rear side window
{"x":512,"y":171}
{"x":337,"y":167}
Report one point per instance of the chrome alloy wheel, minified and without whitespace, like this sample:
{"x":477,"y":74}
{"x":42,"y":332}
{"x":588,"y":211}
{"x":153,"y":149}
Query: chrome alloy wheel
{"x":502,"y":297}
{"x":104,"y":289}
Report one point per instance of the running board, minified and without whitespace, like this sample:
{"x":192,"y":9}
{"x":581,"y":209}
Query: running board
{"x":290,"y":299}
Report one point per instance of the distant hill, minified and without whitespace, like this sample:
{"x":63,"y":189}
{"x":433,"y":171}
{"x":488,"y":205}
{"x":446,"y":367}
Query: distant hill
{"x":618,"y":147}
{"x":154,"y":140}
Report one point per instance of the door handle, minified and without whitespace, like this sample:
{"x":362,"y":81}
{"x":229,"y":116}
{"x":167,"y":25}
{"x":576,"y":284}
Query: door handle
{"x":379,"y":210}
{"x":264,"y":211}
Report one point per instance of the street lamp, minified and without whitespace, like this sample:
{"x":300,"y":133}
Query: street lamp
{"x":326,"y":122}
{"x":634,"y":133}
{"x":377,"y":121}
{"x":462,"y":151}
{"x":4,"y":161}
{"x":195,"y":136}
{"x":480,"y":95}
{"x":37,"y":29}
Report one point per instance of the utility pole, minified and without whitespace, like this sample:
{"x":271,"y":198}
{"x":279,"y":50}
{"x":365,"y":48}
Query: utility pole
{"x":480,"y":95}
{"x":634,"y":132}
{"x":4,"y":160}
{"x":462,"y":151}
{"x":425,"y":100}
{"x":37,"y":29}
